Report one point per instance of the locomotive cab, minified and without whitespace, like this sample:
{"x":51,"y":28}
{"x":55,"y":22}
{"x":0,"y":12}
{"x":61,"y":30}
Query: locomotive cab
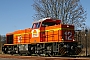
{"x":40,"y":28}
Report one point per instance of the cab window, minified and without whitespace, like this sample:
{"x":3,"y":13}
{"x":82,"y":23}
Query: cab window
{"x":36,"y":25}
{"x":48,"y":24}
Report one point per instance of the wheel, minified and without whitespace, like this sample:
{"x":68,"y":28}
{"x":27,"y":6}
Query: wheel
{"x":20,"y":54}
{"x":11,"y":53}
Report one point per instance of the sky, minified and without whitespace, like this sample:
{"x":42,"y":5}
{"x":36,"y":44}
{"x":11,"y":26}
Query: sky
{"x":18,"y":14}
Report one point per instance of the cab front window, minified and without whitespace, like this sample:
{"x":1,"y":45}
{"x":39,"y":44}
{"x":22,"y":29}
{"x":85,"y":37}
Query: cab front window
{"x":36,"y":25}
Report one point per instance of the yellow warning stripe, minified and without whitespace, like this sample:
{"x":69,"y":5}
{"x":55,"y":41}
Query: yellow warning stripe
{"x":56,"y":29}
{"x":46,"y":31}
{"x":62,"y":50}
{"x":78,"y":50}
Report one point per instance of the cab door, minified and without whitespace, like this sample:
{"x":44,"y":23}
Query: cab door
{"x":42,"y":33}
{"x":35,"y":33}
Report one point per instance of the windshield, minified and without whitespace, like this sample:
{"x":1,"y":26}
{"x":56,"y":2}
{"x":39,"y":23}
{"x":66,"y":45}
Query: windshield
{"x":36,"y":25}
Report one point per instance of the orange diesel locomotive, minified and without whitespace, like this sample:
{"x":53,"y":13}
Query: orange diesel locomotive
{"x":47,"y":36}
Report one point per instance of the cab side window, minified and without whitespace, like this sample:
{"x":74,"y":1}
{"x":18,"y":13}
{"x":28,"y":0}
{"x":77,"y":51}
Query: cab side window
{"x":44,"y":24}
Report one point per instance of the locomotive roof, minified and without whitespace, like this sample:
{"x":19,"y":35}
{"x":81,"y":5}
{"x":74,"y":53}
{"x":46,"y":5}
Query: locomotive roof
{"x":44,"y":20}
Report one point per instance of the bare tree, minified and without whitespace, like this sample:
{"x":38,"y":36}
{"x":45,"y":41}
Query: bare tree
{"x":69,"y":11}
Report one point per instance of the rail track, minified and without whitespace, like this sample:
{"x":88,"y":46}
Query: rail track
{"x":11,"y":57}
